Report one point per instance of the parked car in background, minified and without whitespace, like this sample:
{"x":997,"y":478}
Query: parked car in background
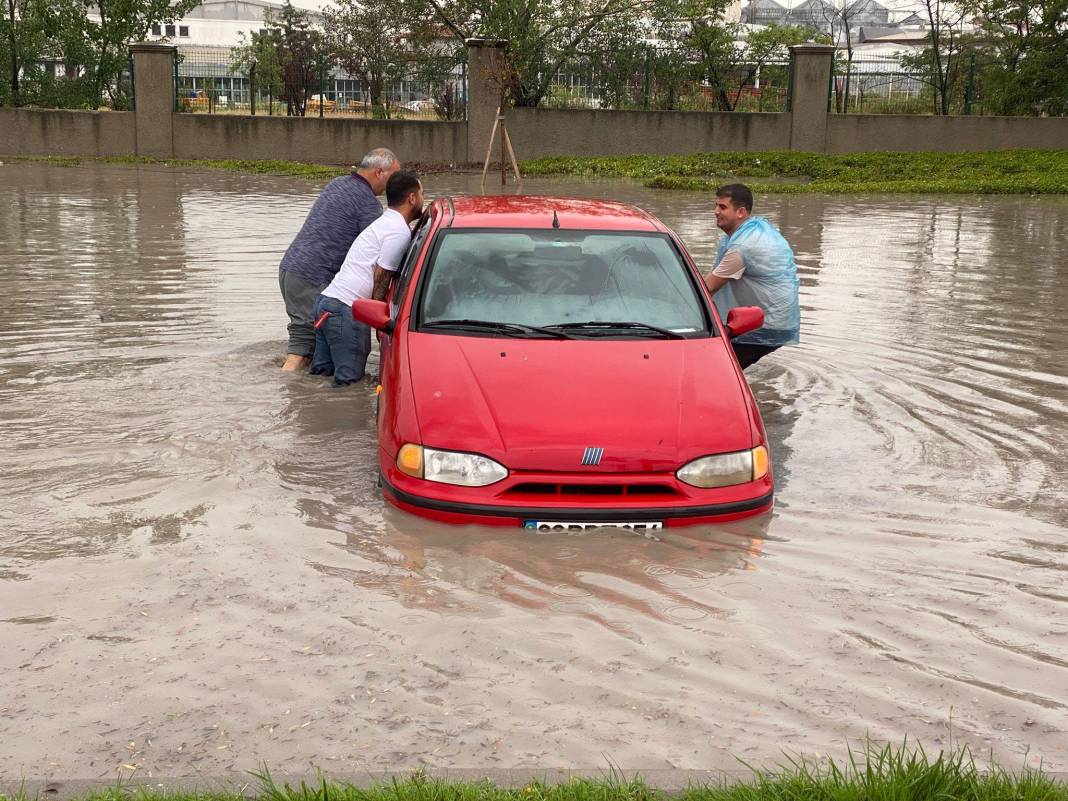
{"x":554,"y":363}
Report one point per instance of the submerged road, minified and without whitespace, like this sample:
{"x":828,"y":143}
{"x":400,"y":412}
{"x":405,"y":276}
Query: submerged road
{"x":198,"y":575}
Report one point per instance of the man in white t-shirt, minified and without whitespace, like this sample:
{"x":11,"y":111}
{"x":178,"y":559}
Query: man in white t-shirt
{"x":342,"y":343}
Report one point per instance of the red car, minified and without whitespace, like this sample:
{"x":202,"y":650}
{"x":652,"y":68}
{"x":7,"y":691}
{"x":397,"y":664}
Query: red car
{"x":558,"y":364}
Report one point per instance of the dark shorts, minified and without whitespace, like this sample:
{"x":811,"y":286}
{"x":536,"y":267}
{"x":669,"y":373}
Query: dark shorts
{"x":751,"y":354}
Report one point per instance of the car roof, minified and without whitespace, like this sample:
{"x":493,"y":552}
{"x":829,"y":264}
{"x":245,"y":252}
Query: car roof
{"x":536,"y":211}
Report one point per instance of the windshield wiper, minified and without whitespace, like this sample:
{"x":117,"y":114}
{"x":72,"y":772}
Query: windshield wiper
{"x":609,"y":327}
{"x":508,"y":329}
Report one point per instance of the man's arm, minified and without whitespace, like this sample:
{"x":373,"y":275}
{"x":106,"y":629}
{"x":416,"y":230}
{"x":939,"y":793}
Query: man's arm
{"x":381,"y":283}
{"x":730,"y":267}
{"x":715,"y":282}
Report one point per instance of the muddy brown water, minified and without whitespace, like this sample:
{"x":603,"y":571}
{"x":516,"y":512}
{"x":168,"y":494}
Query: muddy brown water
{"x":198,"y":575}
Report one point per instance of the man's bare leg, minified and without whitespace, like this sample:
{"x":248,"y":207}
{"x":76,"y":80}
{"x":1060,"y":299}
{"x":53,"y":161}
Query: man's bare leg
{"x":295,"y":363}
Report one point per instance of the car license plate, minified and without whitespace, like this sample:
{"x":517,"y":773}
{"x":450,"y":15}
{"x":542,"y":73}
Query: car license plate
{"x":562,"y":525}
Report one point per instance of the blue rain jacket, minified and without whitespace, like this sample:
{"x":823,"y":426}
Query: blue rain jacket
{"x":769,"y":281}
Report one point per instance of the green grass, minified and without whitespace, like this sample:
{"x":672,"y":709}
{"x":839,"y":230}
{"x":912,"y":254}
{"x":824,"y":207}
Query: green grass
{"x":888,"y":773}
{"x":784,"y":172}
{"x":788,"y":172}
{"x":313,"y":172}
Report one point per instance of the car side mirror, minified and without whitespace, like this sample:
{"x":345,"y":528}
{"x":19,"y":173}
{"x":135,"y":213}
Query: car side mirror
{"x":374,"y":313}
{"x":741,"y":320}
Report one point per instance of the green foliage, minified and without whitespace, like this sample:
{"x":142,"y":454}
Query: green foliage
{"x":260,"y":56}
{"x":999,"y":172}
{"x":299,"y":50}
{"x":90,"y":39}
{"x":1024,"y":55}
{"x":544,"y":35}
{"x":372,"y":40}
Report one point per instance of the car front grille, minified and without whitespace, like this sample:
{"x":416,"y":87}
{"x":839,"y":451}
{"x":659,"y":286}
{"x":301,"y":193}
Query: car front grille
{"x":545,"y":489}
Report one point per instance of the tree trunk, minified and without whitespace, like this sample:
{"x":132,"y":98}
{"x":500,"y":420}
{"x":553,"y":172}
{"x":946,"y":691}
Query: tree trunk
{"x":14,"y":56}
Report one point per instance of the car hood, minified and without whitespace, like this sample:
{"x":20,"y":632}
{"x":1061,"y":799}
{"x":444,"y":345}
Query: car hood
{"x":536,"y":404}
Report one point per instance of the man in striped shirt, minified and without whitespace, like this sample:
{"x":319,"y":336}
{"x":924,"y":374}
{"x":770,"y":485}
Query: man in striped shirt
{"x":345,"y":207}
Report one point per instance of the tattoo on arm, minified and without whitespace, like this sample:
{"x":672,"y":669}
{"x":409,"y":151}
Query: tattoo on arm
{"x":381,"y":283}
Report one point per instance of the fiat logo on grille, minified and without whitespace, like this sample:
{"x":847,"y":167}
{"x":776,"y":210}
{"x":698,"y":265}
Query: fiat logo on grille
{"x":592,"y":456}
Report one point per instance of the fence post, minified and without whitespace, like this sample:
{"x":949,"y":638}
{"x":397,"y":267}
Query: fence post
{"x":133,"y":89}
{"x":322,"y":84}
{"x":645,"y":84}
{"x":154,"y":89}
{"x":177,"y":58}
{"x":252,"y":88}
{"x":810,"y":96}
{"x":969,"y":92}
{"x":485,"y":73}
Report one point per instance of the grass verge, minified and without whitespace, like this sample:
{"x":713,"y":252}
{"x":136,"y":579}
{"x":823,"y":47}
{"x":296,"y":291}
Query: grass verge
{"x":992,"y":172}
{"x":312,"y":172}
{"x":872,"y":774}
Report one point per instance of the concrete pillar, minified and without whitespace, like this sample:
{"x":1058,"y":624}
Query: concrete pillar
{"x":154,"y":99}
{"x":485,"y":71}
{"x":810,"y":95}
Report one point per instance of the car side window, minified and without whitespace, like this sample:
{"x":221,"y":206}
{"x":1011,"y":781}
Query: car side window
{"x":408,"y":267}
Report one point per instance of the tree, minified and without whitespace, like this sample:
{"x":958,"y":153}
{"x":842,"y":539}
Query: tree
{"x":373,"y":41}
{"x":1023,"y":46}
{"x":97,"y":37}
{"x":299,"y":47}
{"x":771,"y":45}
{"x":727,"y":64}
{"x":21,"y":43}
{"x":543,"y":34}
{"x":259,"y":56}
{"x":945,"y":40}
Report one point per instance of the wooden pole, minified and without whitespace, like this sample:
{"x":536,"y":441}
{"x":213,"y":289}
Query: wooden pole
{"x":504,"y":165}
{"x":489,"y":149}
{"x":515,"y":164}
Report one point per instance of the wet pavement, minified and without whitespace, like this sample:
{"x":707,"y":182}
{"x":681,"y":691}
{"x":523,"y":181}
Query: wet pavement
{"x":198,"y":575}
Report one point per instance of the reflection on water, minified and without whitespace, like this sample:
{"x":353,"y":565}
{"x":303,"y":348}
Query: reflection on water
{"x":197,"y":571}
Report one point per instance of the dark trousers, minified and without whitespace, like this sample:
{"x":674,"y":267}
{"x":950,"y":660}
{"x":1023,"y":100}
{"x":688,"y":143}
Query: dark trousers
{"x":341,"y":343}
{"x":299,"y":296}
{"x":751,"y":354}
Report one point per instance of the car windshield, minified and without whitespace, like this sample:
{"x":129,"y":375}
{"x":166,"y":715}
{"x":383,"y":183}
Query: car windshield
{"x":574,"y":283}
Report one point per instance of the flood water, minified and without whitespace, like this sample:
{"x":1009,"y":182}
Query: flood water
{"x":198,"y":575}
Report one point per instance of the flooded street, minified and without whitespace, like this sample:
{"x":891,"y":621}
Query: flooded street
{"x":198,"y":574}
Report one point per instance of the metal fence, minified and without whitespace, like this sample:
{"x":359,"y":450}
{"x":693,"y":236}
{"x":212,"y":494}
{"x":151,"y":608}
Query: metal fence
{"x":207,"y":81}
{"x":665,"y":80}
{"x":890,"y":85}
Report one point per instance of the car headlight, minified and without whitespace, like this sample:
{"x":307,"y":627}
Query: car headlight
{"x":449,"y":467}
{"x":725,"y":469}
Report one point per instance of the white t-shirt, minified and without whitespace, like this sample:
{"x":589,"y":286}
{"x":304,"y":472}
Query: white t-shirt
{"x":384,"y":243}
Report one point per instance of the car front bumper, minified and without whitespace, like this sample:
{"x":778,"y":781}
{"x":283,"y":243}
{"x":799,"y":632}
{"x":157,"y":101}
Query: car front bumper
{"x":483,"y":505}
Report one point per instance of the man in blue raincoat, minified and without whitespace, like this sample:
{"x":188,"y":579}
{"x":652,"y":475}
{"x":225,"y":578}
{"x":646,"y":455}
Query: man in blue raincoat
{"x":754,"y":267}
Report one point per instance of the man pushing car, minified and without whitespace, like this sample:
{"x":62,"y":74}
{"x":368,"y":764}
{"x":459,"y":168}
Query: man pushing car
{"x":346,"y":206}
{"x":342,"y":343}
{"x":754,"y":267}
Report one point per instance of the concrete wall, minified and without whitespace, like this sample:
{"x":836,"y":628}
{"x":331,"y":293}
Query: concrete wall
{"x":46,"y":132}
{"x":156,"y":130}
{"x":557,"y":132}
{"x":314,"y":140}
{"x":857,"y":133}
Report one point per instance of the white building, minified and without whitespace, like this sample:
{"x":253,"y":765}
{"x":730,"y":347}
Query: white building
{"x":219,"y":23}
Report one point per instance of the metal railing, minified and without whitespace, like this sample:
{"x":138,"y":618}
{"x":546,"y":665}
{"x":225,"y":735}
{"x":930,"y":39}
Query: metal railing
{"x":900,"y":85}
{"x":207,"y":81}
{"x":665,"y":80}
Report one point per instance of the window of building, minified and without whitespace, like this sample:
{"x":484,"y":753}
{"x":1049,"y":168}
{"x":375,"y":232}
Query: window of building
{"x":156,"y":30}
{"x":170,"y":30}
{"x":183,"y":30}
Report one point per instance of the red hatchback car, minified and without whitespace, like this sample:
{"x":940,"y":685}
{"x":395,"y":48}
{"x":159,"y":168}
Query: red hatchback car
{"x":558,"y":364}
